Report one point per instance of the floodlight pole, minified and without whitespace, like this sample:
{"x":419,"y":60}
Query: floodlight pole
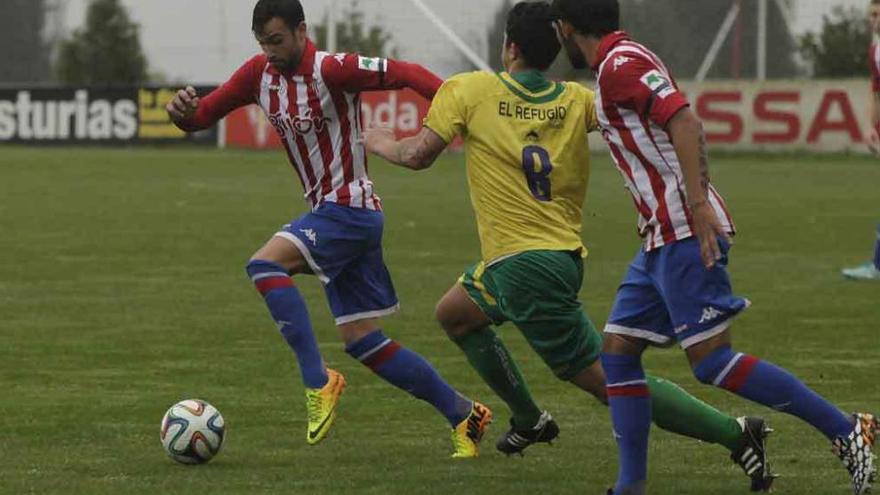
{"x":331,"y":27}
{"x":454,"y":38}
{"x":762,"y":40}
{"x":717,"y":43}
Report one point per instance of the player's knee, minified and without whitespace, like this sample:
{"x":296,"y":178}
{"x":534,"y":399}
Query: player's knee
{"x":258,"y":269}
{"x":446,"y":318}
{"x":451,"y":321}
{"x":710,"y":367}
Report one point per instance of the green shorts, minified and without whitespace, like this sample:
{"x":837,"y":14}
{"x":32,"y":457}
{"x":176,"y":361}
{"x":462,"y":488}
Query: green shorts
{"x":538,"y":292}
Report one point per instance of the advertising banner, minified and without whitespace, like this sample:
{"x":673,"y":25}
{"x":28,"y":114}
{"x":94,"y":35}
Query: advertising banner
{"x":132,"y":115}
{"x":821,"y":115}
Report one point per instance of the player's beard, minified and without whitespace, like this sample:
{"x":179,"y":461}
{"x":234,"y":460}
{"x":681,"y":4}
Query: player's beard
{"x":575,"y":56}
{"x":289,"y":63}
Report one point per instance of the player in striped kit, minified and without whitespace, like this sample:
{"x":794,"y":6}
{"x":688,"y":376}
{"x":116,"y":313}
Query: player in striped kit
{"x":312,"y":100}
{"x":871,"y":270}
{"x":528,"y":182}
{"x":677,"y":287}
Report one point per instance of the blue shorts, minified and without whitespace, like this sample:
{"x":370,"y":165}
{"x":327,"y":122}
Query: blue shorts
{"x":668,"y":295}
{"x":343,"y":247}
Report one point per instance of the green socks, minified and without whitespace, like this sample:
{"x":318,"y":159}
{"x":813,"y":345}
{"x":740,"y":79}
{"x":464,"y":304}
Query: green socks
{"x":677,"y":411}
{"x":487,"y":354}
{"x":672,"y":408}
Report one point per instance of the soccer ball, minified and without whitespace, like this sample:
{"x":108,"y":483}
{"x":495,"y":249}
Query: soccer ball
{"x":192,"y":431}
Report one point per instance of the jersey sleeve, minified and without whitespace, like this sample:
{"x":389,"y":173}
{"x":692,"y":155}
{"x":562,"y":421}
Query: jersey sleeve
{"x":354,"y":73}
{"x":874,"y":63}
{"x":448,"y":113}
{"x":638,"y":84}
{"x":591,"y":115}
{"x":240,"y":90}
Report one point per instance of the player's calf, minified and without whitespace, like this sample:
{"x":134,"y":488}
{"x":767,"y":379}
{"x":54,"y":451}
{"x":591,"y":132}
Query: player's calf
{"x":288,"y":309}
{"x":410,"y":372}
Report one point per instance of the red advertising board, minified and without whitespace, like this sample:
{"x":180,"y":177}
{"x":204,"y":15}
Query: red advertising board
{"x":802,"y":115}
{"x":820,"y":116}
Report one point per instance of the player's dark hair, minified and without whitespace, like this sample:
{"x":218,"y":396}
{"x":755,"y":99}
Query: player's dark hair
{"x":290,"y":11}
{"x":530,"y":26}
{"x":590,"y":17}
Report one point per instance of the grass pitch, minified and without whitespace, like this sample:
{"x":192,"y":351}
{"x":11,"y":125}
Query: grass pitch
{"x":122,"y":290}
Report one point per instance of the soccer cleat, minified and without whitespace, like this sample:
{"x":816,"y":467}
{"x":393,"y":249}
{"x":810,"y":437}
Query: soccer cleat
{"x":467,"y":435}
{"x":856,"y":451}
{"x":751,"y":454}
{"x":321,"y":406}
{"x":864,"y":272}
{"x":515,"y":441}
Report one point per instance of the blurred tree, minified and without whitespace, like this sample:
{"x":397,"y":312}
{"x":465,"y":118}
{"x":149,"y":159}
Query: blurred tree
{"x":840,"y":48}
{"x":25,"y":54}
{"x":107,"y":50}
{"x":353,"y":36}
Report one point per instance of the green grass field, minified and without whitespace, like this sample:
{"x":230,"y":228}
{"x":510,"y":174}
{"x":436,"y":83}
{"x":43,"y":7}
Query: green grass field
{"x":122,"y":290}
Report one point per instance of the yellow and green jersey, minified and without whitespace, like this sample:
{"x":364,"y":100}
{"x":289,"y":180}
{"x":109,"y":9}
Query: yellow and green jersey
{"x":527,"y":156}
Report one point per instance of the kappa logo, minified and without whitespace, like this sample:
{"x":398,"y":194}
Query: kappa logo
{"x":620,"y":60}
{"x":710,"y":314}
{"x":310,"y":235}
{"x":658,"y":83}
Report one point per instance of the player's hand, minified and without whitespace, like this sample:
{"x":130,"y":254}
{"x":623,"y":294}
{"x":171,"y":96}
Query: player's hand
{"x":872,"y":138}
{"x":375,"y":137}
{"x":184,"y":104}
{"x":708,"y":228}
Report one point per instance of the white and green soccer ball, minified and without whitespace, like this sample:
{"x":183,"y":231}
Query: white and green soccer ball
{"x":192,"y":431}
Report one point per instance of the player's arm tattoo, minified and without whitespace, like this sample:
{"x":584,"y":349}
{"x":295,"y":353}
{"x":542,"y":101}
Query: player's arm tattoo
{"x":704,"y":164}
{"x":417,"y":154}
{"x":420,"y":151}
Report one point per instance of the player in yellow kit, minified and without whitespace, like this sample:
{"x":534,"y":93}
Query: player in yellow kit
{"x":528,"y":166}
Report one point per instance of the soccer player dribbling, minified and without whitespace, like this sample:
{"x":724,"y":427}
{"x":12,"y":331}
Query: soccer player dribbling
{"x":528,"y":165}
{"x":871,"y":269}
{"x":312,"y":99}
{"x":677,"y":288}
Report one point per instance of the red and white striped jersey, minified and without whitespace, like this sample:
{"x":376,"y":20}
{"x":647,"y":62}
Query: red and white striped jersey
{"x":874,"y":63}
{"x":636,"y":97}
{"x":315,"y":109}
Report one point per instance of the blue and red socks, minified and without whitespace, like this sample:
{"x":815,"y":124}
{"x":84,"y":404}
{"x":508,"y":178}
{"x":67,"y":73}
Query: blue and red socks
{"x":291,"y":315}
{"x":409,"y":371}
{"x":630,"y":403}
{"x":772,"y":386}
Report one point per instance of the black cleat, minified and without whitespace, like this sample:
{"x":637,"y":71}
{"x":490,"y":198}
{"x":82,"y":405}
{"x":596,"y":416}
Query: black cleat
{"x":515,"y":441}
{"x":751,"y":455}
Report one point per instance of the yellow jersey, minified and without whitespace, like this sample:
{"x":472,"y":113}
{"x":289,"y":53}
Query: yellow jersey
{"x":528,"y":161}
